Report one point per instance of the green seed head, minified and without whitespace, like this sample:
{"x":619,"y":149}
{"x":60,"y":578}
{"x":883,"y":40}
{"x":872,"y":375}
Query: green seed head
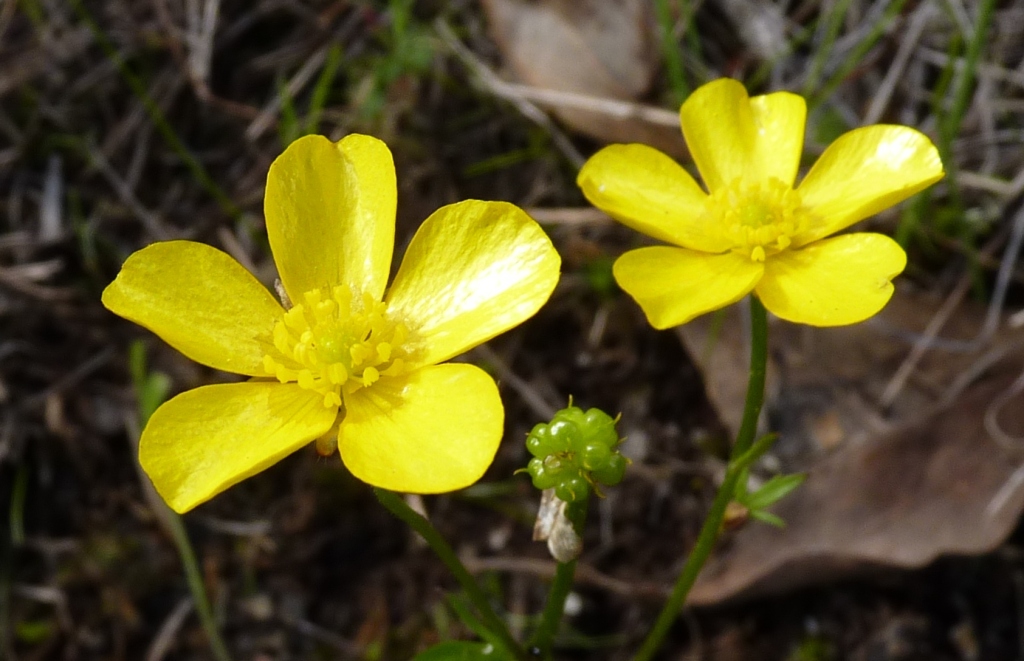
{"x":575,"y":452}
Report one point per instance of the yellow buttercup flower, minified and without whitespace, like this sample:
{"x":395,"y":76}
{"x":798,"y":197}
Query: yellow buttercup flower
{"x":752,"y":231}
{"x":346,"y":364}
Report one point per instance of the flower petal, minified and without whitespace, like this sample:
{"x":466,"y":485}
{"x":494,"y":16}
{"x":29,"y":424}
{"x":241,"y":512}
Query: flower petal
{"x":473,"y":270}
{"x":719,"y":130}
{"x":435,"y":430}
{"x":200,"y":301}
{"x":205,"y":440}
{"x":779,"y":121}
{"x":834,"y":282}
{"x":330,"y":211}
{"x":732,"y":136}
{"x":863,"y":172}
{"x":674,"y":285}
{"x":646,"y":190}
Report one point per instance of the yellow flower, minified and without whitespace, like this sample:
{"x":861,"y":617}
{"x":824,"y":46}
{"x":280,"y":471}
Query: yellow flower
{"x":348,"y":365}
{"x":752,"y":230}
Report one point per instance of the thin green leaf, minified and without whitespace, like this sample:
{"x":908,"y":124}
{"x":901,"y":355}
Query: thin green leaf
{"x":742,"y":492}
{"x":288,"y":128}
{"x":671,"y":54}
{"x":767,"y":517}
{"x":759,"y":447}
{"x":321,"y":90}
{"x":460,"y":605}
{"x":463,"y":650}
{"x":774,"y":490}
{"x":151,"y":389}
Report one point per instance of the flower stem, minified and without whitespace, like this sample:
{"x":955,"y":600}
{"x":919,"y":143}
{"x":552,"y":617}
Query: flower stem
{"x":553,"y":609}
{"x":713,"y":524}
{"x":397,"y":506}
{"x":542,"y":639}
{"x":196,"y":586}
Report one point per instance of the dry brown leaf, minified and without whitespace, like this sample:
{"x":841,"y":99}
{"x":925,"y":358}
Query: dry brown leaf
{"x":892,"y":487}
{"x":929,"y":488}
{"x":600,"y":48}
{"x":824,"y":384}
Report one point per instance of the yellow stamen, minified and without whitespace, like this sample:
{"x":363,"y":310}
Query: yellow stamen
{"x":760,"y":219}
{"x":334,"y":342}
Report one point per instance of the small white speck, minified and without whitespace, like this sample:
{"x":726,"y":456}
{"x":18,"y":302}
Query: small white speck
{"x":573,"y":604}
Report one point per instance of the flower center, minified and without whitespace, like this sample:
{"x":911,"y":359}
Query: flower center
{"x":759,"y":218}
{"x":333,"y":342}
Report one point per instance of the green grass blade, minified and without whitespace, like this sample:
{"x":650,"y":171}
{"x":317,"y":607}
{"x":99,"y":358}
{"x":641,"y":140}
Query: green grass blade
{"x":671,"y":54}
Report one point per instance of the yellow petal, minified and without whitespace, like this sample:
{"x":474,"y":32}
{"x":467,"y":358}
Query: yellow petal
{"x":863,"y":172}
{"x":646,"y":190}
{"x":200,"y":301}
{"x":330,"y":211}
{"x":719,"y":130}
{"x":473,"y":270}
{"x":732,"y":136}
{"x":834,"y":282}
{"x":434,"y":430}
{"x":674,"y":285}
{"x":779,"y":121}
{"x":205,"y":440}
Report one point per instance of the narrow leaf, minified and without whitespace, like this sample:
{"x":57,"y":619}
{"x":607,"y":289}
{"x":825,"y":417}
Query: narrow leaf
{"x":463,"y":650}
{"x":774,"y":490}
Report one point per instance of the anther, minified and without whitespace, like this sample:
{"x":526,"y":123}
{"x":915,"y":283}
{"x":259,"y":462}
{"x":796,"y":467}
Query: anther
{"x":326,"y":346}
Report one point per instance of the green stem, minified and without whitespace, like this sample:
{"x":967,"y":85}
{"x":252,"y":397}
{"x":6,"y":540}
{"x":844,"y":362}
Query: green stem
{"x":150,"y":390}
{"x":824,"y":49}
{"x":10,"y":541}
{"x":544,"y":636}
{"x":671,"y":53}
{"x":713,"y":524}
{"x":194,"y":578}
{"x":948,"y":128}
{"x":949,"y":125}
{"x":17,"y":512}
{"x":397,"y":506}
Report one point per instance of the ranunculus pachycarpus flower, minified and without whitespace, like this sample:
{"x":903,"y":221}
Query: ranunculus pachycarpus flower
{"x":347,"y":361}
{"x":752,"y":230}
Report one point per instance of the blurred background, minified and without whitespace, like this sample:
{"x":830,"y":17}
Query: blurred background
{"x":124,"y":122}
